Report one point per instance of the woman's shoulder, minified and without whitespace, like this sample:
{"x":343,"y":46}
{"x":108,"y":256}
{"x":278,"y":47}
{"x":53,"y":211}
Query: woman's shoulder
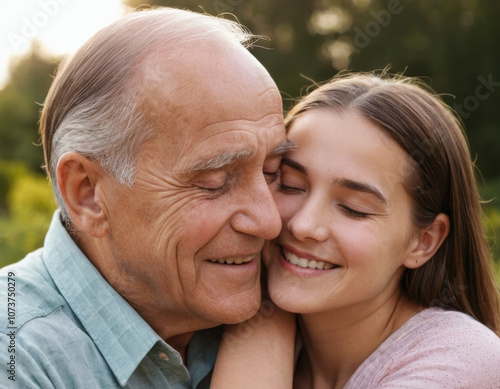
{"x":445,"y":323}
{"x":435,"y":347}
{"x":450,"y":333}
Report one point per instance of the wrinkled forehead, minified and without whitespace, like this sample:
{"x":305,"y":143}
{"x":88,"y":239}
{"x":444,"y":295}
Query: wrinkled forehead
{"x":202,"y":98}
{"x":209,"y":81}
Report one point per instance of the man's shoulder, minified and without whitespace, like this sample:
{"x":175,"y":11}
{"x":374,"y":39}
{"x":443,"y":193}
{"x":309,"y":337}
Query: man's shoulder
{"x":50,"y":333}
{"x":28,"y":292}
{"x":44,"y":343}
{"x":54,"y":351}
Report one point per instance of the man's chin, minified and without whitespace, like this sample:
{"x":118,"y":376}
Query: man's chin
{"x":237,"y":308}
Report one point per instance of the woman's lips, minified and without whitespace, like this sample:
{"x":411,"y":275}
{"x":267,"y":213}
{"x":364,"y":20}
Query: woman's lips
{"x":306,"y":263}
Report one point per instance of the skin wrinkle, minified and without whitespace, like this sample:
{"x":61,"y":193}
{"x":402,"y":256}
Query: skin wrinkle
{"x":182,"y":108}
{"x":185,"y":196}
{"x":165,"y":194}
{"x":187,"y":149}
{"x":227,"y":158}
{"x":236,"y":123}
{"x":224,"y":160}
{"x":268,"y":90}
{"x":178,"y":185}
{"x":153,"y":210}
{"x":168,"y":228}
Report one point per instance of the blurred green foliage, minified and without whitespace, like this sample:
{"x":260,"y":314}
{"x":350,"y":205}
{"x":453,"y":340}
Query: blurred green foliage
{"x":490,"y":193}
{"x":26,"y":201}
{"x":20,"y":102}
{"x":28,"y":208}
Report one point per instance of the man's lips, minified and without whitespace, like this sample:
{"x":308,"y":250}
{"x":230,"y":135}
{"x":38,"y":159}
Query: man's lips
{"x":306,"y":263}
{"x":235,"y":260}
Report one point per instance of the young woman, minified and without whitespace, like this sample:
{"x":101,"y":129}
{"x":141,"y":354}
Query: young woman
{"x":382,"y":251}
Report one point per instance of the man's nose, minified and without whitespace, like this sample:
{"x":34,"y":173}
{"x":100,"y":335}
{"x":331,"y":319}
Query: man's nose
{"x":258,"y":215}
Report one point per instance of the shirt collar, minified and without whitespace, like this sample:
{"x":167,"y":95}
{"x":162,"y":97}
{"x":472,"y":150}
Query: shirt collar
{"x":202,"y":352}
{"x":121,"y":335}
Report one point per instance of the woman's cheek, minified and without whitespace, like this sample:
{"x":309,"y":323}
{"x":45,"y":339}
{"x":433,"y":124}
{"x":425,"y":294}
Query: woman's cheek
{"x":288,"y":205}
{"x":266,"y":254}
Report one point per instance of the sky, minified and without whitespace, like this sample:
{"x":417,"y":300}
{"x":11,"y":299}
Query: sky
{"x":61,"y":26}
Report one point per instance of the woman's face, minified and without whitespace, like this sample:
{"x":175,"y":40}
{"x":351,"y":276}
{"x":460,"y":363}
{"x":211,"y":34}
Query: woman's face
{"x":346,"y":217}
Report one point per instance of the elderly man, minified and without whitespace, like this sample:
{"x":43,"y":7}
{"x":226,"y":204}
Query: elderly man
{"x":161,"y":136}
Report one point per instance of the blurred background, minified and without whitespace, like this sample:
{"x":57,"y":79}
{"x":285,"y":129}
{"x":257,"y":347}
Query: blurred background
{"x":453,"y":45}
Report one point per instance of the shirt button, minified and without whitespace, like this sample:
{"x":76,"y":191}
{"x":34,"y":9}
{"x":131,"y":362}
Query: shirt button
{"x":163,"y":356}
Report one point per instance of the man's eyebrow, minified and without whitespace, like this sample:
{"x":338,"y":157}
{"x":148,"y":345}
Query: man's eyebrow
{"x":220,"y":160}
{"x":284,"y":147}
{"x":227,"y":158}
{"x":360,"y":187}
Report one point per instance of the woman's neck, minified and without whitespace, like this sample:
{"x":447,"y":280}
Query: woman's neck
{"x":336,"y":343}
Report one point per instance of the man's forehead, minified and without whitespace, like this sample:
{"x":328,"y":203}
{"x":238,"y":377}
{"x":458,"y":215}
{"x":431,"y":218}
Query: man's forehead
{"x":185,"y":86}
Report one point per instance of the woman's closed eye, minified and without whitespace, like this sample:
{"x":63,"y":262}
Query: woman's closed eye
{"x":353,"y":213}
{"x":289,"y":189}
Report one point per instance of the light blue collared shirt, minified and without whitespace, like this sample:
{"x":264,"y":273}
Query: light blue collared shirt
{"x":66,"y":327}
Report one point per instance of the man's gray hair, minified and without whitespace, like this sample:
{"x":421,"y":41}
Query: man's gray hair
{"x":94,"y":104}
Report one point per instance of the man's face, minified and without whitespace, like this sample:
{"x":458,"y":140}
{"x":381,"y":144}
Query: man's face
{"x":186,"y":238}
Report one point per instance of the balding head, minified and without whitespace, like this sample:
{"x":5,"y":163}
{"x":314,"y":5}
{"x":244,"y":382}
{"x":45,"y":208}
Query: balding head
{"x":93,"y":104}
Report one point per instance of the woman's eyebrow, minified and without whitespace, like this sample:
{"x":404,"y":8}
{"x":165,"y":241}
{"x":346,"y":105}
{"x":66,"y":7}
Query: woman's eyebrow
{"x":294,"y":165}
{"x":360,"y":187}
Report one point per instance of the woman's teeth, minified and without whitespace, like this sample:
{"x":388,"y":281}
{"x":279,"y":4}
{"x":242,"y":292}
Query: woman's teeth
{"x":306,"y":263}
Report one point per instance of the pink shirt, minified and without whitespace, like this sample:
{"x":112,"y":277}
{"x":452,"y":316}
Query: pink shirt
{"x":434,"y":349}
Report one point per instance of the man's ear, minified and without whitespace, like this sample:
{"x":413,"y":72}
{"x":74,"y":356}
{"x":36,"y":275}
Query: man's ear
{"x":429,"y":240}
{"x":77,"y":178}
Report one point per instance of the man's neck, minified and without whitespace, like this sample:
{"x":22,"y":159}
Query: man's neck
{"x":179,"y":343}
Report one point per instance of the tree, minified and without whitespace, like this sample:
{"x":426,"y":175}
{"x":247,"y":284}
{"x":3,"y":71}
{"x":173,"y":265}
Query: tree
{"x":20,"y":103}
